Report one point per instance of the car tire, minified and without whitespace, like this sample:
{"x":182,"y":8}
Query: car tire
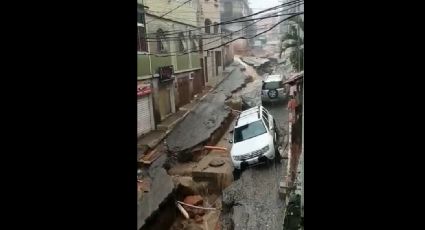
{"x":236,"y":174}
{"x":269,"y":162}
{"x":276,"y":130}
{"x":272,"y":93}
{"x":277,"y":156}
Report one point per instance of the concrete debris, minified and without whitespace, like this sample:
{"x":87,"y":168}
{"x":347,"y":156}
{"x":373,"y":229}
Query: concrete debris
{"x":255,"y":61}
{"x":161,"y":187}
{"x":235,"y":103}
{"x":249,"y":78}
{"x":199,"y":219}
{"x":216,"y":162}
{"x":192,"y":226}
{"x":144,"y":185}
{"x":218,"y":178}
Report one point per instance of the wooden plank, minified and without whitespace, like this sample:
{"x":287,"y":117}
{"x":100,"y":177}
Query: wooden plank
{"x":149,"y":155}
{"x":215,"y":148}
{"x":151,"y":158}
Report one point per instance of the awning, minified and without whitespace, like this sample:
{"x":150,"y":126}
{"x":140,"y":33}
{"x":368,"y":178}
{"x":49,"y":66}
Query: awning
{"x":295,"y":77}
{"x":143,"y":89}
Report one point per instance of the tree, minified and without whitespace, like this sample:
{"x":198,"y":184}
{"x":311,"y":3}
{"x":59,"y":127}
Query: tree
{"x":293,"y":41}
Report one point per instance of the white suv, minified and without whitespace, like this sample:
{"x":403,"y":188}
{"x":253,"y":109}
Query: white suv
{"x":273,"y":89}
{"x":254,"y":138}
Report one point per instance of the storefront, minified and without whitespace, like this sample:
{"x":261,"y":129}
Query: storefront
{"x":164,"y":84}
{"x":145,"y":118}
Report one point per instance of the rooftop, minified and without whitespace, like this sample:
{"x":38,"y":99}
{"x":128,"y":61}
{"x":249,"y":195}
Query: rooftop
{"x":248,"y":116}
{"x":275,"y":77}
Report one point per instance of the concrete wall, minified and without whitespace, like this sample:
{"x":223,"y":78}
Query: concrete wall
{"x":180,"y":62}
{"x":184,"y":18}
{"x":211,"y":10}
{"x":185,"y":14}
{"x":143,"y":65}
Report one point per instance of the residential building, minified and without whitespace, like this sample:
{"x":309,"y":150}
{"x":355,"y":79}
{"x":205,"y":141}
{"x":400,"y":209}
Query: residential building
{"x":167,"y":57}
{"x":268,"y":43}
{"x":286,"y":25}
{"x":213,"y":54}
{"x":234,"y":9}
{"x":145,"y":114}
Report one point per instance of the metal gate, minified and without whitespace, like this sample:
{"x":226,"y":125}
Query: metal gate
{"x":197,"y":82}
{"x":144,"y":115}
{"x":206,"y":69}
{"x":184,"y":91}
{"x":164,"y":102}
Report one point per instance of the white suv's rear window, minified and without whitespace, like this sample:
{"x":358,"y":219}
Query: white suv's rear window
{"x":272,"y":85}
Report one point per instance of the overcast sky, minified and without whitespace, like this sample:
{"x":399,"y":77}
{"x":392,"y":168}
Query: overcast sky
{"x":258,"y":5}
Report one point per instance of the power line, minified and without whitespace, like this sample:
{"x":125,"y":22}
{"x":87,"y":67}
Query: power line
{"x":237,"y":31}
{"x":236,"y":20}
{"x":215,"y":35}
{"x":271,"y":8}
{"x":256,"y":34}
{"x":170,"y":11}
{"x":233,"y":20}
{"x":244,"y":28}
{"x":230,"y":34}
{"x":242,"y":37}
{"x":220,"y":34}
{"x":247,"y":20}
{"x":157,"y":11}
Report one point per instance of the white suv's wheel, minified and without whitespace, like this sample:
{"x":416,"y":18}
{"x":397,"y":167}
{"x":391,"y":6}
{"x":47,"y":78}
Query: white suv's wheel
{"x":272,"y":93}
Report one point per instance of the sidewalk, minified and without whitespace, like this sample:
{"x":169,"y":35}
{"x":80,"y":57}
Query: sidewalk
{"x":150,"y":140}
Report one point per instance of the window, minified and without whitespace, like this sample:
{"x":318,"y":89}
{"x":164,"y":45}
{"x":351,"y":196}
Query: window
{"x":249,"y":131}
{"x":194,"y":43}
{"x":142,"y":45}
{"x":228,"y":8}
{"x":266,"y":115}
{"x":207,"y":26}
{"x":181,"y":43}
{"x":160,"y":41}
{"x":215,"y":28}
{"x":266,"y":122}
{"x":273,"y":85}
{"x":266,"y":118}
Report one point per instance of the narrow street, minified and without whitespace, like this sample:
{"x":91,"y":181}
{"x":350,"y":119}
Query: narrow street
{"x":253,"y":199}
{"x":199,"y":68}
